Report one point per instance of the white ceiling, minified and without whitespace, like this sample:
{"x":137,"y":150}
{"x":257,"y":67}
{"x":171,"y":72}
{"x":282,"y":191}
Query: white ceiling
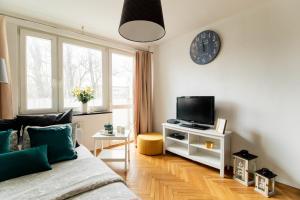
{"x":102,"y":17}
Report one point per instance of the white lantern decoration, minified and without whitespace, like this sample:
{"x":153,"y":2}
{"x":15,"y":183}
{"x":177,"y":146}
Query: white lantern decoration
{"x":265,"y":182}
{"x":244,"y":167}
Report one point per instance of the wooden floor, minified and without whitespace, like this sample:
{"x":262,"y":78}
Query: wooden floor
{"x":173,"y":177}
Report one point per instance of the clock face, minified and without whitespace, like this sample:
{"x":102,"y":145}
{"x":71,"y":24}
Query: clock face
{"x":205,"y":47}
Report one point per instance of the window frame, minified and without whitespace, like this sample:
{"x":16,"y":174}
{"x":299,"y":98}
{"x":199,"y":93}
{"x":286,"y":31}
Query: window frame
{"x":57,"y":71}
{"x":105,"y":72}
{"x":23,"y":72}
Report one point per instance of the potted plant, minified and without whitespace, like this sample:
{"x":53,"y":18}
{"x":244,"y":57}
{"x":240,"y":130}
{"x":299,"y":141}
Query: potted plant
{"x":83,"y":95}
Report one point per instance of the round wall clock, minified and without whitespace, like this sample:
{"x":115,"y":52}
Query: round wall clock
{"x":205,"y":47}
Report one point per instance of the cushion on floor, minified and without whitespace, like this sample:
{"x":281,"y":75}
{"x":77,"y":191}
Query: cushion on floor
{"x":150,"y":143}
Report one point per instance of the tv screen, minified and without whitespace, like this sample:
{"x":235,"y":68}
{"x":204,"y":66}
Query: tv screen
{"x":196,"y":109}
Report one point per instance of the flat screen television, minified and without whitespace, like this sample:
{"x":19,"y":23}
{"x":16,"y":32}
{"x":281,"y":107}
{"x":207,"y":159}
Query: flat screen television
{"x":196,"y":109}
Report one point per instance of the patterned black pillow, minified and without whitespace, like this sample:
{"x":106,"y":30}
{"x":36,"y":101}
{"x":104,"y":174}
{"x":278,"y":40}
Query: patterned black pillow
{"x":64,"y":118}
{"x":44,"y":120}
{"x":6,"y":124}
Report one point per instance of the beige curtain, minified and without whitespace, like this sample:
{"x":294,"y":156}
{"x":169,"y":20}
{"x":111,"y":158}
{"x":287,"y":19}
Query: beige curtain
{"x":5,"y":89}
{"x":143,"y":93}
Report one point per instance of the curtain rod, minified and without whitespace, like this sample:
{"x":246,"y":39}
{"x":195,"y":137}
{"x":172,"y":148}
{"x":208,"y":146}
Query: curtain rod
{"x":28,"y":20}
{"x":145,"y":51}
{"x":64,"y":28}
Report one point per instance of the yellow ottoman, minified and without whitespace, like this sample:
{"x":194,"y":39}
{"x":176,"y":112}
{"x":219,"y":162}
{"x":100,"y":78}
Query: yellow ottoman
{"x":150,"y":144}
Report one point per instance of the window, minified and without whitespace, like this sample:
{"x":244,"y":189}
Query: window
{"x":122,"y":88}
{"x":38,"y":72}
{"x":52,"y":66}
{"x":82,"y":67}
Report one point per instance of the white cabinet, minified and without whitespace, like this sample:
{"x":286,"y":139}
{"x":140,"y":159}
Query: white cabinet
{"x":193,"y":145}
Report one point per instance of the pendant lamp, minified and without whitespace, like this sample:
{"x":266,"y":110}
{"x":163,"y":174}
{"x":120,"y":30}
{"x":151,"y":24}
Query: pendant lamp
{"x":142,"y":21}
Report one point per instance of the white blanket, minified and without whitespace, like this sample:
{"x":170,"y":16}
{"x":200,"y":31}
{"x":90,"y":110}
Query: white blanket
{"x":65,"y":180}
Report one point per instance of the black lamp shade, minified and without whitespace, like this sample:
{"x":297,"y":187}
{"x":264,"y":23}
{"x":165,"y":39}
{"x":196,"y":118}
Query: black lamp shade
{"x":142,"y":20}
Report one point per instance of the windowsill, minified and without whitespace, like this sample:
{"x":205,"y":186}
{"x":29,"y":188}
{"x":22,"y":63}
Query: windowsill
{"x":91,"y":113}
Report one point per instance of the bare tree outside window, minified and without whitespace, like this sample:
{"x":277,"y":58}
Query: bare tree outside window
{"x":82,"y":67}
{"x":39,"y":73}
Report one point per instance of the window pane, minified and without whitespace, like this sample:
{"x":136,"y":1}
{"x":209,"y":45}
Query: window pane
{"x":38,"y":73}
{"x":122,"y":90}
{"x":122,"y":79}
{"x":82,"y":68}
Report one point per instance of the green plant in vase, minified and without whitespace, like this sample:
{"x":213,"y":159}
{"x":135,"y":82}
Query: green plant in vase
{"x":109,"y":128}
{"x":84,"y":95}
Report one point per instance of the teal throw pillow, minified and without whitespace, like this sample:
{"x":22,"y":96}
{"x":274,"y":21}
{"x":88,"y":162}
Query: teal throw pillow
{"x":5,"y":141}
{"x":20,"y":163}
{"x":57,"y":138}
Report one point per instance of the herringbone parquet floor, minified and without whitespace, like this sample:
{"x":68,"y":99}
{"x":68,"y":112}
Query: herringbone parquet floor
{"x":172,"y":177}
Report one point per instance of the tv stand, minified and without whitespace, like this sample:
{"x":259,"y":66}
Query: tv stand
{"x":193,"y":145}
{"x":195,"y":126}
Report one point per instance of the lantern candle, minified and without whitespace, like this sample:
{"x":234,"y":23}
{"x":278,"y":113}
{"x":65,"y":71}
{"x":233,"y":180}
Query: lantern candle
{"x":244,"y":167}
{"x":265,"y":182}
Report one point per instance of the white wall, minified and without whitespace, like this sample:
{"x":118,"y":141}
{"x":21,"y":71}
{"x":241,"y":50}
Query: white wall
{"x":255,"y":80}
